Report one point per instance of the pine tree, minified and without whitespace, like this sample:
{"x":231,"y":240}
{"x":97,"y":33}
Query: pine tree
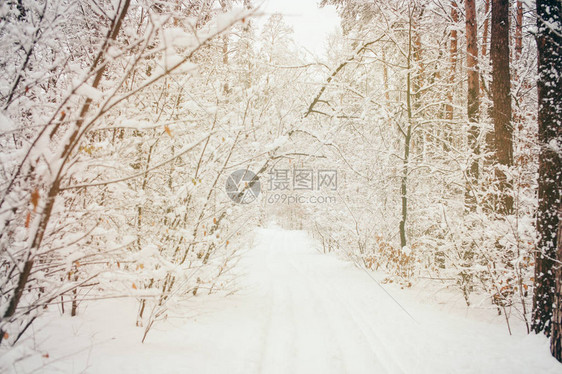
{"x":473,"y":97}
{"x":501,"y":97}
{"x":549,"y":45}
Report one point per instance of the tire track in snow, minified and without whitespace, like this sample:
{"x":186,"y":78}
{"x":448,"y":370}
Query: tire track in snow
{"x":318,"y":317}
{"x":355,"y":305}
{"x":314,"y":321}
{"x":377,"y":343}
{"x":280,"y":331}
{"x":393,"y":345}
{"x":264,"y":337}
{"x":357,"y":309}
{"x":341,"y":316}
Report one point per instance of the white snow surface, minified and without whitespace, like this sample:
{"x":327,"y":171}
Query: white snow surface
{"x":296,"y":311}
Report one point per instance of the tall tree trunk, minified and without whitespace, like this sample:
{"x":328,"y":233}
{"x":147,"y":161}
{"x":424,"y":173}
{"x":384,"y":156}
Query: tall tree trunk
{"x":519,"y":30}
{"x":485,"y":30}
{"x":501,"y":97}
{"x":452,"y":72}
{"x":556,"y":337}
{"x":417,"y":144}
{"x":518,"y":111}
{"x":549,"y":45}
{"x":473,"y":99}
{"x":407,"y":138}
{"x":473,"y":103}
{"x":489,"y":137}
{"x":418,"y":78}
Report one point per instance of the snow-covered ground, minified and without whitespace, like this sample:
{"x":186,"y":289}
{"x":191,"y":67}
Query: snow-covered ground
{"x":297,"y":311}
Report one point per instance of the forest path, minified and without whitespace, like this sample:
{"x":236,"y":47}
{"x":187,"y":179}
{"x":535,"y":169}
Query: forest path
{"x":317,"y":319}
{"x":315,"y":313}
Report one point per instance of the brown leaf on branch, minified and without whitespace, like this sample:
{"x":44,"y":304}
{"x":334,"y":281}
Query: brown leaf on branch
{"x":35,"y":199}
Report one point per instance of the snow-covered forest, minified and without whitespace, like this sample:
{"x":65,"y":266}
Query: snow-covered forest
{"x":185,"y":188}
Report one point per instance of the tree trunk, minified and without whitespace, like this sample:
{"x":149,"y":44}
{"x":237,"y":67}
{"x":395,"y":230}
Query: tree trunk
{"x":501,"y":98}
{"x":404,"y":182}
{"x":417,"y":144}
{"x":407,"y":139}
{"x":489,"y":137}
{"x":486,"y":27}
{"x":519,"y":30}
{"x":473,"y":100}
{"x":549,"y":45}
{"x":452,"y":73}
{"x":556,"y":337}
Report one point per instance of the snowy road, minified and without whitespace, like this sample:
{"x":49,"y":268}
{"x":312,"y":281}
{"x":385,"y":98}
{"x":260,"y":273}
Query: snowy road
{"x":317,"y":322}
{"x":304,"y":312}
{"x":297,"y":311}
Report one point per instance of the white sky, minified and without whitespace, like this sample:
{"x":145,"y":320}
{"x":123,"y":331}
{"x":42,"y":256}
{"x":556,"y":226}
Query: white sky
{"x":311,"y":24}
